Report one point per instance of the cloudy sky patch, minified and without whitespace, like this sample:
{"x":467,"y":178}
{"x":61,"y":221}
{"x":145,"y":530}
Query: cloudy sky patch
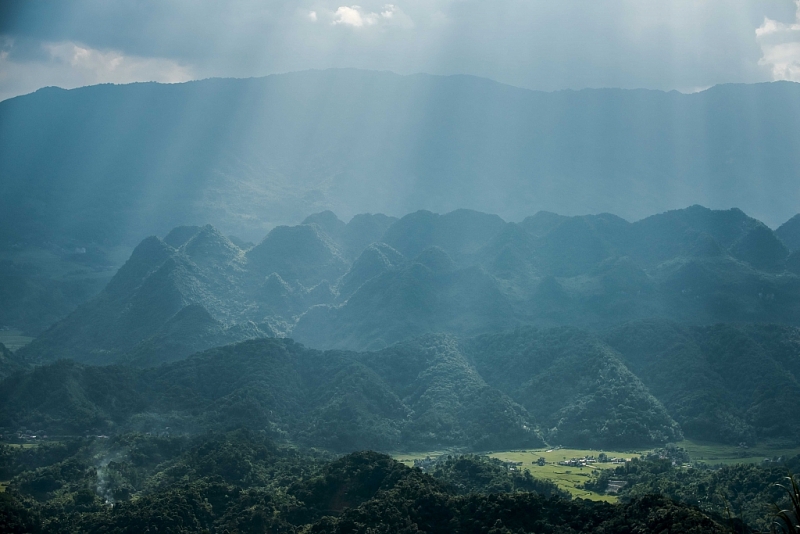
{"x":67,"y":64}
{"x":353,"y":16}
{"x":780,"y":46}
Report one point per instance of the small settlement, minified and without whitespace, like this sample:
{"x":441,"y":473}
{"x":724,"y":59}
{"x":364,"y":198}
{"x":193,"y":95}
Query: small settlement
{"x":587,"y":461}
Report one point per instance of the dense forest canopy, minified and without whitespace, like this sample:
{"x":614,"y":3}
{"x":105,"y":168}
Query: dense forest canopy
{"x":638,"y":385}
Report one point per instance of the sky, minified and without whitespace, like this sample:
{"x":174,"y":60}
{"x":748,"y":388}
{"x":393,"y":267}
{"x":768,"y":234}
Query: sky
{"x":684,"y":45}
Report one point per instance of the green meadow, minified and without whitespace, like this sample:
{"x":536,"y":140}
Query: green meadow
{"x":714,"y":453}
{"x":571,"y":478}
{"x":566,"y":477}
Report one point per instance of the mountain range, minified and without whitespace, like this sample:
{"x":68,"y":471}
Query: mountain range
{"x":472,"y":331}
{"x":86,"y":173}
{"x":110,"y":163}
{"x":430,"y":331}
{"x":377,"y":280}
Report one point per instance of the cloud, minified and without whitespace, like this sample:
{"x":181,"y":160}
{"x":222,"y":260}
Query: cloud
{"x":389,"y":11}
{"x":113,"y":66}
{"x":780,"y":47}
{"x":68,"y":64}
{"x":357,"y":17}
{"x":352,"y":16}
{"x":312,"y":15}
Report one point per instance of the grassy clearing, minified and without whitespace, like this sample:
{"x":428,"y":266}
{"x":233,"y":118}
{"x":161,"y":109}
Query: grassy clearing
{"x":13,"y":339}
{"x":714,"y":453}
{"x":408,"y":458}
{"x":566,"y":478}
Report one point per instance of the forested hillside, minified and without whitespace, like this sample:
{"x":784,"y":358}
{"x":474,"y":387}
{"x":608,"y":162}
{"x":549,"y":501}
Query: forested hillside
{"x":576,"y":386}
{"x":637,"y":385}
{"x":722,"y":382}
{"x":339,"y":401}
{"x":745,"y":491}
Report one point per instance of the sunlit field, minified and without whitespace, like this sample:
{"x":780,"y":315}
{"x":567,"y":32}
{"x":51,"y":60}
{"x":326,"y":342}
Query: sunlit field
{"x":566,"y":477}
{"x":572,"y":478}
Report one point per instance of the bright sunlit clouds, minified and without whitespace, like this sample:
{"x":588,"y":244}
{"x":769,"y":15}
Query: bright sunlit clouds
{"x":355,"y":16}
{"x":780,"y":44}
{"x":352,"y":16}
{"x":570,"y":44}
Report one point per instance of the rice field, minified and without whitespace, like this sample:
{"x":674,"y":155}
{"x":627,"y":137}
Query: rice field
{"x":568,"y":478}
{"x":571,"y":478}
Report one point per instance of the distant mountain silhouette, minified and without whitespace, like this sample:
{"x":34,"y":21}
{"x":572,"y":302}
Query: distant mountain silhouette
{"x":110,"y":163}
